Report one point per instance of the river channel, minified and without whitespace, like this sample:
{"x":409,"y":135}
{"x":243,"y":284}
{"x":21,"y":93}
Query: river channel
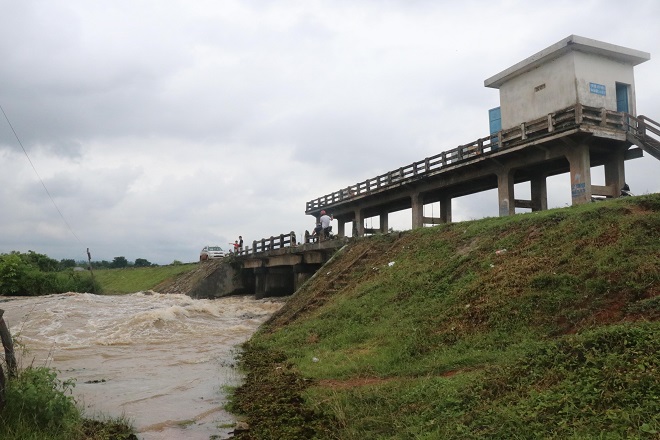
{"x":161,"y":361}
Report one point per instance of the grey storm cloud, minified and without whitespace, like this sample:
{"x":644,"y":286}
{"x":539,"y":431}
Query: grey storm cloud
{"x":160,"y":127}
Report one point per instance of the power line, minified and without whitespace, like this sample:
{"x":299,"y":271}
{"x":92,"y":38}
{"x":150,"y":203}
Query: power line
{"x":39,"y":177}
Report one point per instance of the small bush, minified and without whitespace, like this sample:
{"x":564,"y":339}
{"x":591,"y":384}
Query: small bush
{"x":39,"y":398}
{"x":649,"y":307}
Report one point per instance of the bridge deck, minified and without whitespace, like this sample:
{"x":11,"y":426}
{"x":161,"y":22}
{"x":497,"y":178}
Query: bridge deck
{"x":474,"y":167}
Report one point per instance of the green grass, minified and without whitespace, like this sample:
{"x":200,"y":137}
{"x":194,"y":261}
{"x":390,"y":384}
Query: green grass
{"x":40,"y":407}
{"x":557,"y":338}
{"x":135,"y":279}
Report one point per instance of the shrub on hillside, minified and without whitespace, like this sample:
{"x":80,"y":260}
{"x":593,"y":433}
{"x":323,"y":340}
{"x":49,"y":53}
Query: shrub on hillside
{"x":26,"y":275}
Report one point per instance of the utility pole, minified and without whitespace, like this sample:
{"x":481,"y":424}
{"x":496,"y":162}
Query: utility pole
{"x":89,"y":260}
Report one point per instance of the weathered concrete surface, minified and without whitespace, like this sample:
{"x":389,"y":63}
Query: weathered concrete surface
{"x":573,"y":151}
{"x":185,"y":282}
{"x":278,"y":272}
{"x":227,"y":279}
{"x":573,"y":70}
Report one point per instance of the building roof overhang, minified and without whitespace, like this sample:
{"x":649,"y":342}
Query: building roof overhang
{"x":568,"y":44}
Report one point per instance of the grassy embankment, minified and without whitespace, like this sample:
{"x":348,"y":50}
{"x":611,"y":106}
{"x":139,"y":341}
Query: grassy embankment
{"x":433,"y":334}
{"x":136,"y":279}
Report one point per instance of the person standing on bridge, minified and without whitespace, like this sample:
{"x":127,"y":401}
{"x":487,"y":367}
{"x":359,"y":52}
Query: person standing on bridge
{"x":240,"y":242}
{"x":317,"y":230}
{"x":325,"y":224}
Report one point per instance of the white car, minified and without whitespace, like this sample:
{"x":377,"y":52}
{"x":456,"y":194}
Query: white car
{"x":211,"y":253}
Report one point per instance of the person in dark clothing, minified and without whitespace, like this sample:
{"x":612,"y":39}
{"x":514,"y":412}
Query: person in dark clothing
{"x":625,"y":191}
{"x":317,"y":229}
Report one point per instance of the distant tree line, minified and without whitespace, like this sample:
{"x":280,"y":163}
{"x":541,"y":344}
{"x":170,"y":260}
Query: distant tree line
{"x":32,"y":273}
{"x":116,"y":263}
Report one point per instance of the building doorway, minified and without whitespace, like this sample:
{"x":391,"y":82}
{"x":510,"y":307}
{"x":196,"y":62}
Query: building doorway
{"x":622,"y":97}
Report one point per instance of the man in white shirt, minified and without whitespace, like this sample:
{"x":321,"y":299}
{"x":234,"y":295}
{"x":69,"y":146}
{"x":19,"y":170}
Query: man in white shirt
{"x":325,"y":224}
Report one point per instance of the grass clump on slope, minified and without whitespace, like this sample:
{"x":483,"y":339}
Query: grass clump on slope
{"x":441,"y":333}
{"x":39,"y":406}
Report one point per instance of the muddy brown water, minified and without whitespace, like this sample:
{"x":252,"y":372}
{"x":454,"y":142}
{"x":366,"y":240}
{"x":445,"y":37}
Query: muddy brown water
{"x":163,"y":361}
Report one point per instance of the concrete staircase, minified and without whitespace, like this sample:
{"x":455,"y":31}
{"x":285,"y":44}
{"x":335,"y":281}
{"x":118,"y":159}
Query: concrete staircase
{"x":641,"y":136}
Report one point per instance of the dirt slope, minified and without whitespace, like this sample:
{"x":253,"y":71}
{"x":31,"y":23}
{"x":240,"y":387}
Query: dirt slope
{"x":185,"y":282}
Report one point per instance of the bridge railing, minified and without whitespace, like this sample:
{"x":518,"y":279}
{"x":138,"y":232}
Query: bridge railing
{"x":562,"y":120}
{"x":642,"y":125}
{"x":271,"y":243}
{"x":311,"y":237}
{"x":415,"y":169}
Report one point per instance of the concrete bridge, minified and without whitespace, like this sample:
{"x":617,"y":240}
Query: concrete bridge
{"x":276,"y":266}
{"x":566,"y":109}
{"x":572,"y":140}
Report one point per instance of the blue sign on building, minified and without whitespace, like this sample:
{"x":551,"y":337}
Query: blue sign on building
{"x":598,"y":89}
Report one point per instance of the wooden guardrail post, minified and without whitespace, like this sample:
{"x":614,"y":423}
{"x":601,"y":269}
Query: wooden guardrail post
{"x":641,"y":127}
{"x":8,"y":345}
{"x":10,"y":359}
{"x":3,"y":381}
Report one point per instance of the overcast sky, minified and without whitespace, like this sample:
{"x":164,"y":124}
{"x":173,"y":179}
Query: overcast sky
{"x":158,"y":127}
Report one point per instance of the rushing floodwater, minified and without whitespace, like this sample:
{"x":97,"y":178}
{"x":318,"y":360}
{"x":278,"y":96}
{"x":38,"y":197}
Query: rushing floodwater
{"x":162,"y":361}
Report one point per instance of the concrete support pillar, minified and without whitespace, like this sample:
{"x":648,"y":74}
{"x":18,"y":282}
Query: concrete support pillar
{"x":505,"y":194}
{"x":384,"y":227}
{"x":539,"y":190}
{"x":341,"y":227}
{"x":445,"y":209}
{"x":260,"y":274}
{"x":358,"y":224}
{"x":615,"y":171}
{"x":279,"y":281}
{"x":417,"y":210}
{"x":579,"y":160}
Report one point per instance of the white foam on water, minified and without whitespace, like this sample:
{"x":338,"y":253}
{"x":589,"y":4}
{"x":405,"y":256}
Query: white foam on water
{"x":160,"y":360}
